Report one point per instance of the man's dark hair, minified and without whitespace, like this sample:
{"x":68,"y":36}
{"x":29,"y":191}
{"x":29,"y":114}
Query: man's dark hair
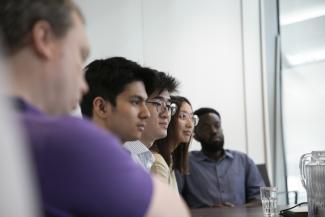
{"x":17,"y":18}
{"x":201,"y":111}
{"x":166,"y":82}
{"x":152,"y":82}
{"x":107,"y":78}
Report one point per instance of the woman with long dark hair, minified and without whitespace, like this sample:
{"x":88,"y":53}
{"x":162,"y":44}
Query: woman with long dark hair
{"x":171,"y":152}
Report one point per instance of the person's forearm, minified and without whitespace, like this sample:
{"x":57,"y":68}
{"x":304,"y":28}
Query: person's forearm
{"x":253,"y":203}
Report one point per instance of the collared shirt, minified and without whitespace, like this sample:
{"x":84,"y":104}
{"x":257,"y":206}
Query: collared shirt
{"x":164,"y":172}
{"x":81,"y":169}
{"x":234,"y":178}
{"x":141,"y":154}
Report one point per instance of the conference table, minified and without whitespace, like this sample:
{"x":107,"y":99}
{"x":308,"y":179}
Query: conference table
{"x":228,"y":212}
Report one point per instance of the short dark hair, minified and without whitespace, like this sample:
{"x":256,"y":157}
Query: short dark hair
{"x":152,"y":83}
{"x":166,"y":82}
{"x":107,"y":78}
{"x":19,"y":16}
{"x":179,"y":156}
{"x":201,"y":111}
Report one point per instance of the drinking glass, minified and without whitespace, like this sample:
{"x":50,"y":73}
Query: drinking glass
{"x":269,"y":201}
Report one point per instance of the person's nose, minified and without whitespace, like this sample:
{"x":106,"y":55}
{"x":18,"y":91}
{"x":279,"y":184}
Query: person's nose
{"x":189,"y":124}
{"x":165,"y":113}
{"x":214,"y":130}
{"x":144,"y":113}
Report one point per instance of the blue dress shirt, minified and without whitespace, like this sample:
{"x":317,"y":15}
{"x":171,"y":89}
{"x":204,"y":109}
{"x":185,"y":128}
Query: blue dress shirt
{"x":234,"y":178}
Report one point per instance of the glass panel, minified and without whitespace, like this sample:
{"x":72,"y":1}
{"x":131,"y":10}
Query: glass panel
{"x":303,"y":72}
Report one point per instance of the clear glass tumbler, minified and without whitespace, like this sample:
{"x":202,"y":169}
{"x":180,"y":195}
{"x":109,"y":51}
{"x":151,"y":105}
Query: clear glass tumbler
{"x":269,"y":200}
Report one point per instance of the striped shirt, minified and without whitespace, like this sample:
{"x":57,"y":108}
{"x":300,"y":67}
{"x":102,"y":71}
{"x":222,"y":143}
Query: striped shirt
{"x":141,"y":153}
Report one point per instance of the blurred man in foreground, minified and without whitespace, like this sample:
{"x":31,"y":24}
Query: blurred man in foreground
{"x":81,"y":170}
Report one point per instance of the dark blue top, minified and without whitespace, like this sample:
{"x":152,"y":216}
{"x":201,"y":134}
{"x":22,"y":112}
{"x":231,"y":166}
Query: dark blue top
{"x":234,"y":178}
{"x":81,"y":169}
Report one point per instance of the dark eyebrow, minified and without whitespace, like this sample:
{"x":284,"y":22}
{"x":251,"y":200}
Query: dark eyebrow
{"x":137,"y":97}
{"x":161,"y":98}
{"x":190,"y":113}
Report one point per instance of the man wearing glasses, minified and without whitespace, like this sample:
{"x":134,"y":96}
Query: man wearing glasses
{"x":161,"y":109}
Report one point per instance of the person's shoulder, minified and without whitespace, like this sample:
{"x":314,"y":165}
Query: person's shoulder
{"x":159,"y":161}
{"x":236,"y":152}
{"x":78,"y":125}
{"x":194,"y":155}
{"x":158,"y":156}
{"x":67,"y":131}
{"x":240,"y":155}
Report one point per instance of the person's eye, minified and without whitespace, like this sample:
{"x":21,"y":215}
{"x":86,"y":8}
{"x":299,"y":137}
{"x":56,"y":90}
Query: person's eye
{"x":182,"y":116}
{"x":157,"y":104}
{"x":135,"y":102}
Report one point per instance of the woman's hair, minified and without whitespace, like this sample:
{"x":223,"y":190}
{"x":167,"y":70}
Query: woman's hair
{"x":179,"y":156}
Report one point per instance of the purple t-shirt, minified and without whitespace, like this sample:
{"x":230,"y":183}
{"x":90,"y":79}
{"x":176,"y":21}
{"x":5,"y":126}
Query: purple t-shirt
{"x":82,"y":170}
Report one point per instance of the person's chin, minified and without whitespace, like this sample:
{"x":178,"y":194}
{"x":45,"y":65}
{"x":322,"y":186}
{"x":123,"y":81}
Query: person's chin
{"x":215,"y":147}
{"x":134,"y":137}
{"x":185,"y":139}
{"x":162,"y":135}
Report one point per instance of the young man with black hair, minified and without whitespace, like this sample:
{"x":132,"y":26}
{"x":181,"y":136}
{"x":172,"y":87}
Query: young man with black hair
{"x":116,"y":100}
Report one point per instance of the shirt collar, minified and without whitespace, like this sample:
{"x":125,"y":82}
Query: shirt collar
{"x":136,"y":147}
{"x":23,"y":106}
{"x":203,"y":157}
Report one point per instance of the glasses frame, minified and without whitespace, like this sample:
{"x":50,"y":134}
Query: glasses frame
{"x":193,"y":118}
{"x":162,"y":106}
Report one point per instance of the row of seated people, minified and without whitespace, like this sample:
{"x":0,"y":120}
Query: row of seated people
{"x":83,"y":170}
{"x":158,"y":130}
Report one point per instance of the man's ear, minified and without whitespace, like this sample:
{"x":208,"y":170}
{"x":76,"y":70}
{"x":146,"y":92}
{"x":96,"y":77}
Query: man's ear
{"x":43,"y":39}
{"x":101,"y":108}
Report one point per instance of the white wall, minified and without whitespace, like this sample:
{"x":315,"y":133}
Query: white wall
{"x":114,"y":28}
{"x":211,"y":47}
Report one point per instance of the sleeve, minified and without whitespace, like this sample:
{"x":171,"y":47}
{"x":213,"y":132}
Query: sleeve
{"x":92,"y":174}
{"x":160,"y":168}
{"x":253,"y":181}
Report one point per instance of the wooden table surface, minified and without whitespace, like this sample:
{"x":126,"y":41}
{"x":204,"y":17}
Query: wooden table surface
{"x":228,"y":212}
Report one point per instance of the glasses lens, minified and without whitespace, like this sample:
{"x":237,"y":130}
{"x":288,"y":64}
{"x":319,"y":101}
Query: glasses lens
{"x":195,"y":120}
{"x":173,"y":108}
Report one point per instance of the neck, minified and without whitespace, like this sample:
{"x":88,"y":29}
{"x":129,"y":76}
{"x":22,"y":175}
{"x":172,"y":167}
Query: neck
{"x":172,"y":145}
{"x":26,"y":81}
{"x":217,"y":155}
{"x":147,"y":141}
{"x":105,"y":124}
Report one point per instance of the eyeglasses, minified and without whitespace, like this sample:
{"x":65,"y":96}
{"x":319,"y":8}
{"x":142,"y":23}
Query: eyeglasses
{"x":162,"y":106}
{"x":187,"y":116}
